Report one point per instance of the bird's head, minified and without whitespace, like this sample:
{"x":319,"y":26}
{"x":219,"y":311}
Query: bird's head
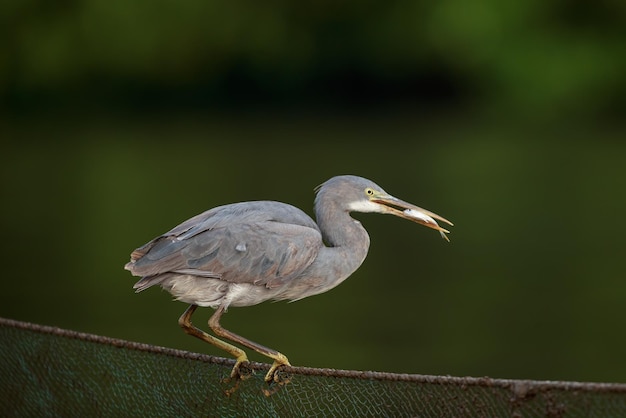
{"x":357,"y":194}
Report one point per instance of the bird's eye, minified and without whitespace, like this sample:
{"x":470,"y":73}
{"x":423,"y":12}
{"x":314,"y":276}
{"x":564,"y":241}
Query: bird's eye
{"x":369,"y":192}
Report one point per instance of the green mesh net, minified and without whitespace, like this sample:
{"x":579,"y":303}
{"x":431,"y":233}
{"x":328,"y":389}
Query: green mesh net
{"x":48,"y":371}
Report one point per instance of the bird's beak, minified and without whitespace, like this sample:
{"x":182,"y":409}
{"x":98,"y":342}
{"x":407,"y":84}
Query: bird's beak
{"x":394,"y":206}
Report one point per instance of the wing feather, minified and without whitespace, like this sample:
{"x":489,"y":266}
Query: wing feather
{"x":265,"y":243}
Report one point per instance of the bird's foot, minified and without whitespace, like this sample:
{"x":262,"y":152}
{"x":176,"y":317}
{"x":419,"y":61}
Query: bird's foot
{"x":243,"y":372}
{"x":280,"y":378}
{"x":279,"y":360}
{"x":277,"y":376}
{"x":241,"y":369}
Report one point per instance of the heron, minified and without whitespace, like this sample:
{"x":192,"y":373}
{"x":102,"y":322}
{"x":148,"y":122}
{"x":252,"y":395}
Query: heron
{"x":245,"y":253}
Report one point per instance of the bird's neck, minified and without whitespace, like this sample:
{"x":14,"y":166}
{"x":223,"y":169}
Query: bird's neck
{"x":346,"y":247}
{"x":345,"y":236}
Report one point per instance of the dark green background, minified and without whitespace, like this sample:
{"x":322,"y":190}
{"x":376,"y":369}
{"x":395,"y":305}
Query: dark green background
{"x":121,"y":119}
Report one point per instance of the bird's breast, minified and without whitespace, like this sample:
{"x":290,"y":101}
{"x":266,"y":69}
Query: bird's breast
{"x":211,"y":292}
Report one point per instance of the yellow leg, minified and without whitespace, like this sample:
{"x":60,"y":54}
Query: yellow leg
{"x":279,"y":358}
{"x":185,"y":322}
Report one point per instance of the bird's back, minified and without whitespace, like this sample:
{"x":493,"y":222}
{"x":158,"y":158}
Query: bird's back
{"x":264,"y":243}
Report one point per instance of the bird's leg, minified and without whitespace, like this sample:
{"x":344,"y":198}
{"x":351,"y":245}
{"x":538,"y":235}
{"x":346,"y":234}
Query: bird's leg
{"x":185,"y":322}
{"x":279,"y":358}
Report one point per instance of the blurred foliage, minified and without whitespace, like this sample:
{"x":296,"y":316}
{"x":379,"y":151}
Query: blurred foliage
{"x":545,"y":57}
{"x":121,"y":119}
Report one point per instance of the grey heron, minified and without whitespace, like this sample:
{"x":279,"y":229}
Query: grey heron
{"x":246,"y":253}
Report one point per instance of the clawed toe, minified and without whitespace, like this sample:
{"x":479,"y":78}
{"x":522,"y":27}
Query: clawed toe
{"x":241,"y":370}
{"x":276,"y":372}
{"x":276,"y":378}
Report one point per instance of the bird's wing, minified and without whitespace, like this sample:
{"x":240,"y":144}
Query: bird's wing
{"x":241,"y":243}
